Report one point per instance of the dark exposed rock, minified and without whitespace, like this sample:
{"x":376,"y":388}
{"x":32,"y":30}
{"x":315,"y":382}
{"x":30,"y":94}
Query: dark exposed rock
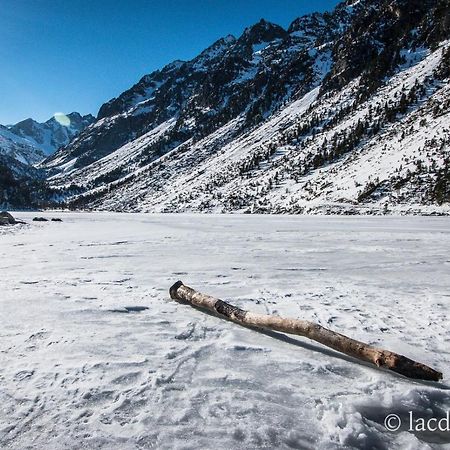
{"x":7,"y":218}
{"x":40,"y":219}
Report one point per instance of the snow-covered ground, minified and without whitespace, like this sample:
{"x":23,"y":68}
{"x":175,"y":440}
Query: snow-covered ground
{"x":76,"y":372}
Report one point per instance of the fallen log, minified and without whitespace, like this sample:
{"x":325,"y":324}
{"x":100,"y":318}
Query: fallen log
{"x":351,"y":347}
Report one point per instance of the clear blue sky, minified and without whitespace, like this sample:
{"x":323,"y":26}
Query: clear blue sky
{"x":73,"y":55}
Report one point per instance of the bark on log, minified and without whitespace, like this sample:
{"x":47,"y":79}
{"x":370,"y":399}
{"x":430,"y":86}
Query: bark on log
{"x":351,"y":347}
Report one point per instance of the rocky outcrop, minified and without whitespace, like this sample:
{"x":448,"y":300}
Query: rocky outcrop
{"x":7,"y":219}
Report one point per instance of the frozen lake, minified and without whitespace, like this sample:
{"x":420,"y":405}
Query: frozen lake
{"x":76,"y":372}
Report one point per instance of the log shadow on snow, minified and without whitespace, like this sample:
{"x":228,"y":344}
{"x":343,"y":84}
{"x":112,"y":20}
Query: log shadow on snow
{"x":129,"y":309}
{"x":318,"y":348}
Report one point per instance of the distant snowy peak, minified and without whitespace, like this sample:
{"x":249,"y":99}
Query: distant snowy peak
{"x":77,"y":122}
{"x":29,"y":141}
{"x":51,"y":135}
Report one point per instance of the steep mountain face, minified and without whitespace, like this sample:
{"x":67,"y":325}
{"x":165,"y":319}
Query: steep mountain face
{"x":342,"y":112}
{"x":23,"y":146}
{"x":248,"y":77}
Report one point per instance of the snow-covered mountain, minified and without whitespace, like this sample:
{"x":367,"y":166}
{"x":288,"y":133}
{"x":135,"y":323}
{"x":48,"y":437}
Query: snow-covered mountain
{"x":343,"y":111}
{"x":23,"y":146}
{"x":30,"y":142}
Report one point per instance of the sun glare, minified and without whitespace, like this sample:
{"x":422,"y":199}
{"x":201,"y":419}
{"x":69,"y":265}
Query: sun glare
{"x":62,"y":119}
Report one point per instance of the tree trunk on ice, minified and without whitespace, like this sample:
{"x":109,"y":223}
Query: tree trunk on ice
{"x":381,"y":358}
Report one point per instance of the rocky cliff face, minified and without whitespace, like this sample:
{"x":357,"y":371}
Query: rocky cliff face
{"x":343,"y":111}
{"x":249,"y":76}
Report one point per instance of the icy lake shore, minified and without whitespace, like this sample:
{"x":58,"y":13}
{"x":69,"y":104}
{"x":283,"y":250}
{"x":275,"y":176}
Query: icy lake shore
{"x":78,"y":371}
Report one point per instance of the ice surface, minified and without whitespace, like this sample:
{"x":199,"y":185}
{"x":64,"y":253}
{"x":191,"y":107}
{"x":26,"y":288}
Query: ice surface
{"x":77,"y":373}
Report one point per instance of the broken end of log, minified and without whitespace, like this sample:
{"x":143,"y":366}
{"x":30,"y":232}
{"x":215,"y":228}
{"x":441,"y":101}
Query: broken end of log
{"x":407,"y":367}
{"x":173,"y":290}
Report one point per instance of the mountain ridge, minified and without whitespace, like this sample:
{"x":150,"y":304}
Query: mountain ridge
{"x":41,"y":138}
{"x":262,"y":117}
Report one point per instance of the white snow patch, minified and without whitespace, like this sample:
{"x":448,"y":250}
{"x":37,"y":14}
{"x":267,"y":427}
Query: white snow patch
{"x":77,"y":370}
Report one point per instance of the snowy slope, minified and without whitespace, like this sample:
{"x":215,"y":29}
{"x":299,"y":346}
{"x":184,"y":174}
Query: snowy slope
{"x":19,"y":148}
{"x":77,"y":372}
